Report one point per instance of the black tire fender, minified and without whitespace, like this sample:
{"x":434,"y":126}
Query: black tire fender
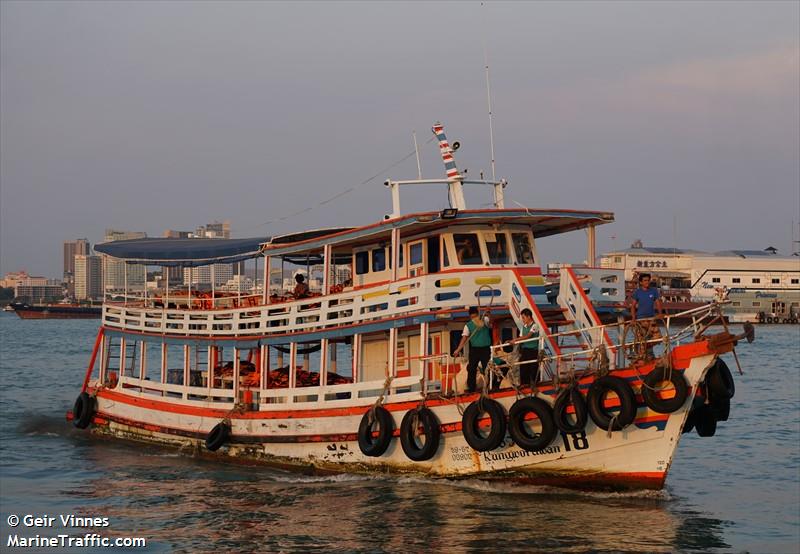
{"x":627,"y":409}
{"x":218,"y":436}
{"x":425,"y":418}
{"x":570,"y":396}
{"x":720,"y":380}
{"x":651,"y":396}
{"x":516,"y":424}
{"x":705,"y":423}
{"x":470,"y":424}
{"x":688,"y":425}
{"x":375,"y":446}
{"x":83,"y":410}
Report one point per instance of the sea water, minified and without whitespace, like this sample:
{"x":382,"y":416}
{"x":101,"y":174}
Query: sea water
{"x":737,"y":491}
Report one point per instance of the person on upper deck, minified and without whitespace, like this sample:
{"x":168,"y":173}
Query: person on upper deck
{"x":478,"y":333}
{"x":301,"y":288}
{"x":528,"y":349}
{"x":645,"y":300}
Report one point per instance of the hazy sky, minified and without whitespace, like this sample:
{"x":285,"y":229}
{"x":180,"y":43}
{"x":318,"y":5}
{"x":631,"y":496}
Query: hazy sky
{"x":152,"y":115}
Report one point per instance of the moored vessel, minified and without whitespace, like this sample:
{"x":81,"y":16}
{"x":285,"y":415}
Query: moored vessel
{"x":356,"y":373}
{"x":55,"y":311}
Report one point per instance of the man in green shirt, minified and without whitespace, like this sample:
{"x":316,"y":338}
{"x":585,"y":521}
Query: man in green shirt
{"x":478,"y":333}
{"x":528,"y":350}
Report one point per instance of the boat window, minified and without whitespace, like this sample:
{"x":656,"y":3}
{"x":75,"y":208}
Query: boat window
{"x":362,"y":263}
{"x":379,"y":259}
{"x":445,"y":257}
{"x":415,"y":254}
{"x":400,"y":257}
{"x":497,"y":247}
{"x":468,"y":249}
{"x":522,"y":248}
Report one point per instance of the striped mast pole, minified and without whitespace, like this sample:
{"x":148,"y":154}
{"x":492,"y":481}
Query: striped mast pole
{"x":455,"y":188}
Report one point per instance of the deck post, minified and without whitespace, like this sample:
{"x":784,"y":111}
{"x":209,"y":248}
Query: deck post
{"x":391,"y":366}
{"x":265,"y":295}
{"x":333,"y":359}
{"x":210,"y":370}
{"x":423,"y":349}
{"x":263,"y":365}
{"x":236,"y":374}
{"x":125,"y":280}
{"x":143,"y":360}
{"x":122,"y":355}
{"x":326,"y":264}
{"x":163,"y":362}
{"x":213,"y":285}
{"x":590,"y":245}
{"x":356,"y":357}
{"x":292,"y":370}
{"x":395,"y":253}
{"x":187,"y":362}
{"x":104,"y":358}
{"x":323,"y":364}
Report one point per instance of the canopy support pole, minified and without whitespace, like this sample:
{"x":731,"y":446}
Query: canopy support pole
{"x":213,"y":284}
{"x":265,"y":294}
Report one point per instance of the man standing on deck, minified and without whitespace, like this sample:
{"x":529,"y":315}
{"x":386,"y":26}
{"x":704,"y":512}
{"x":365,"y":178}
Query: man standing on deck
{"x":645,"y":300}
{"x":478,"y":332}
{"x":644,"y":303}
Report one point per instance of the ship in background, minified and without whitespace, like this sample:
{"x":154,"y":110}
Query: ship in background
{"x":55,"y":311}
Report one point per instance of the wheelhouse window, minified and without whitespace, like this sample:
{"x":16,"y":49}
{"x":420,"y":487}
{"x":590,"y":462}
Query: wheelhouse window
{"x":468,"y":249}
{"x":497,"y":247}
{"x":415,"y":254}
{"x":362,"y":263}
{"x":379,"y":259}
{"x":522,"y":248}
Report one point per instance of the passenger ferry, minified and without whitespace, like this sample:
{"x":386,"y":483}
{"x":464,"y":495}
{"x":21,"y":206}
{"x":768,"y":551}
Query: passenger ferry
{"x":359,"y":375}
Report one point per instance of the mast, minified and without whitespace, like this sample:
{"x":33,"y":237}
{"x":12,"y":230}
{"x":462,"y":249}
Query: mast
{"x":455,"y":179}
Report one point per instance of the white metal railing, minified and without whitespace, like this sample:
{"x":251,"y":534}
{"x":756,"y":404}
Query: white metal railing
{"x":437,"y":291}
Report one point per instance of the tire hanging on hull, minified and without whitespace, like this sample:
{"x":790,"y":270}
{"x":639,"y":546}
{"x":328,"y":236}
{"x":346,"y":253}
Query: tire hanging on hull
{"x":570,"y":396}
{"x":650,"y":390}
{"x":603,"y":418}
{"x":531,"y":442}
{"x":425,"y":418}
{"x":83,"y":410}
{"x":375,"y":446}
{"x":218,"y":436}
{"x":470,"y":424}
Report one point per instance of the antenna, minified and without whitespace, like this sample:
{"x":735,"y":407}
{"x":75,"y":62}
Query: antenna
{"x":489,"y":103}
{"x":416,"y":149}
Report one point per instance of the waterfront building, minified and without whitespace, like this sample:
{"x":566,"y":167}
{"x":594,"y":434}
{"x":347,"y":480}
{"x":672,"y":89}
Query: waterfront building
{"x":15,"y":278}
{"x":703,"y":272}
{"x":203,"y":275}
{"x":88,"y":283}
{"x":37,"y":294}
{"x":115,"y":275}
{"x":73,"y":248}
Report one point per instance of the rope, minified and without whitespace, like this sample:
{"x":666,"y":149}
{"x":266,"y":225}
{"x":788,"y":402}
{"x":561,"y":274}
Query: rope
{"x":379,"y":401}
{"x":611,"y":426}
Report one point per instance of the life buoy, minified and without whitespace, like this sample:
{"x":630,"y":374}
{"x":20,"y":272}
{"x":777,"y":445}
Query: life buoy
{"x":218,"y":436}
{"x":704,"y":421}
{"x":412,"y":421}
{"x":497,"y":421}
{"x":720,"y":380}
{"x":571,"y":396}
{"x":370,"y":444}
{"x":603,"y":417}
{"x":651,"y":394}
{"x":531,"y":441}
{"x":83,"y":410}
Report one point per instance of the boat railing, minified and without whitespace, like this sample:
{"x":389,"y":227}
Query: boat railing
{"x":701,"y":318}
{"x":429,"y":292}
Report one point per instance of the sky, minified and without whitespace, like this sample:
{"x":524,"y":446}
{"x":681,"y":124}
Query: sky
{"x":682,"y":118}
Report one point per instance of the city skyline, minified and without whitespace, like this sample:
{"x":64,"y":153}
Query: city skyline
{"x":690,"y":142}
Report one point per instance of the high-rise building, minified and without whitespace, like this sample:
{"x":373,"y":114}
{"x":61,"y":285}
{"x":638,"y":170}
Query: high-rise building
{"x":73,"y":248}
{"x":88,"y":277}
{"x":115,"y":275}
{"x":202,"y":275}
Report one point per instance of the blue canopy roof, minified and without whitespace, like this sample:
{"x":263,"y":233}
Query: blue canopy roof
{"x":182,"y":252}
